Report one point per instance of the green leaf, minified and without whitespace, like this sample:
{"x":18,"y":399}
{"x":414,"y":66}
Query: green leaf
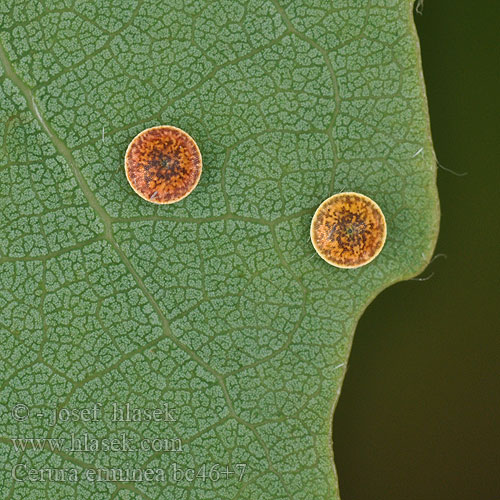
{"x":218,"y":305}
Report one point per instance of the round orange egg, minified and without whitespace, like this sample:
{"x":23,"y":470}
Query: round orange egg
{"x":348,"y":230}
{"x":163,"y":164}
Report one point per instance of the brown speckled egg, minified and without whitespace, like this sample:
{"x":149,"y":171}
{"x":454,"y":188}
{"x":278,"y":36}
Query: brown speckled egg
{"x":348,"y":230}
{"x":163,"y":164}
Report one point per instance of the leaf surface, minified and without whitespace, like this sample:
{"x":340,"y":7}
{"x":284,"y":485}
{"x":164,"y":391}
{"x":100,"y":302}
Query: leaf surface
{"x":217,"y":306}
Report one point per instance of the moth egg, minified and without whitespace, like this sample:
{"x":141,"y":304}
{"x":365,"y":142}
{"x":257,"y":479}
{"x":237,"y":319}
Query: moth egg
{"x":348,"y":230}
{"x":163,"y":164}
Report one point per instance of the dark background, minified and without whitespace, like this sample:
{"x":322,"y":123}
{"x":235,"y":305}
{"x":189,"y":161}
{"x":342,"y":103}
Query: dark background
{"x":419,"y":415}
